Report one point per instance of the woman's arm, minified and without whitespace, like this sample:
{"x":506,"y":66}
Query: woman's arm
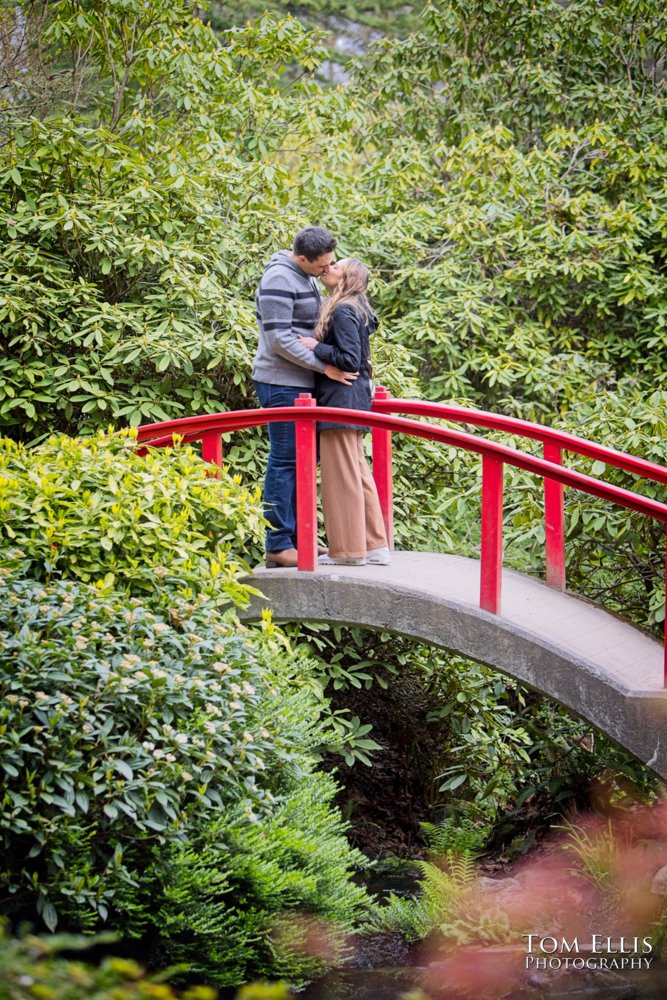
{"x":343,"y":346}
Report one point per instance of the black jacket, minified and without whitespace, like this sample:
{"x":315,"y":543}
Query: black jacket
{"x":346,"y":345}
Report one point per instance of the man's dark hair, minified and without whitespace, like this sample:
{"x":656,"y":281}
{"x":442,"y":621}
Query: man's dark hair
{"x":312,"y":242}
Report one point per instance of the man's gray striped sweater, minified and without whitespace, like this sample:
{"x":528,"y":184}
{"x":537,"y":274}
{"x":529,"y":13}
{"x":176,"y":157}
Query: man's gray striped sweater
{"x":287,"y":303}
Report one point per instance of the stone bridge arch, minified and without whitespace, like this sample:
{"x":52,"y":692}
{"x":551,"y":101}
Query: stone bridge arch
{"x":601,"y":667}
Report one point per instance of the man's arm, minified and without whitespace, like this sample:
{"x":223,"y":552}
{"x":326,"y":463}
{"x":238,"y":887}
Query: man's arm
{"x":276,"y":307}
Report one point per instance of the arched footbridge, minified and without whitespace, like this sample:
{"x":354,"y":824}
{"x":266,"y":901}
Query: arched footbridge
{"x":602,"y":667}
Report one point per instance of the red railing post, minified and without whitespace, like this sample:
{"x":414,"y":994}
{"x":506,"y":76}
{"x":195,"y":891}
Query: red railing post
{"x":554,"y":522}
{"x":306,"y":486}
{"x":211,"y":448}
{"x":665,"y":632}
{"x":383,"y":471}
{"x":492,"y":535}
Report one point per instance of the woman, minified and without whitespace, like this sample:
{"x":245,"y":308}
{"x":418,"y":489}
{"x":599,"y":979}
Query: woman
{"x":352,"y":515}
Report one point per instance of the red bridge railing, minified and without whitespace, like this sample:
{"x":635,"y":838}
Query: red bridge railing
{"x":209,"y":428}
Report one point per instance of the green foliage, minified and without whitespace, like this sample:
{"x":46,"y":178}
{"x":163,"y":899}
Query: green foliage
{"x":516,"y":205}
{"x":30,"y":967}
{"x":264,"y":991}
{"x":447,"y":905}
{"x":347,"y":657}
{"x":507,"y":747}
{"x":274,"y":878}
{"x":349,"y":26}
{"x":148,"y":762}
{"x":317,"y":666}
{"x":129,"y":317}
{"x":508,"y":262}
{"x":459,"y":835}
{"x":339,"y":15}
{"x":442,"y":895}
{"x":94,"y":511}
{"x":529,"y":66}
{"x":136,"y":222}
{"x":616,"y":556}
{"x":499,"y":245}
{"x":492,"y":761}
{"x":148,"y":723}
{"x":597,"y":853}
{"x":350,"y":738}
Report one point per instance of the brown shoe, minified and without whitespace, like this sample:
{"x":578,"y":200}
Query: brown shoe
{"x":285,"y":559}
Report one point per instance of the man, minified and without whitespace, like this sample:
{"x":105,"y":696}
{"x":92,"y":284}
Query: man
{"x":288,"y":304}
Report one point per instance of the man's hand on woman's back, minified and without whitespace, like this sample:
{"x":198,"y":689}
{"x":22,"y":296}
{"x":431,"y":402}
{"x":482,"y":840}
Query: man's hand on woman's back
{"x":346,"y":378}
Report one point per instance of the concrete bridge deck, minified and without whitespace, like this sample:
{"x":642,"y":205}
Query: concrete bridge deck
{"x":603,"y":668}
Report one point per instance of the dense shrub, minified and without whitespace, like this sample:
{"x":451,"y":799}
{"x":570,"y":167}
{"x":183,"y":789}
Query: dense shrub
{"x":130,"y":316}
{"x":517,"y":202}
{"x":94,"y":511}
{"x":279,"y":882}
{"x":137,"y":209}
{"x":157,"y":756}
{"x":158,"y":777}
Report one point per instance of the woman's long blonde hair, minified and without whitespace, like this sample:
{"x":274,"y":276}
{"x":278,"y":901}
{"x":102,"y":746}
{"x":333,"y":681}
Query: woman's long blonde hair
{"x":350,"y":290}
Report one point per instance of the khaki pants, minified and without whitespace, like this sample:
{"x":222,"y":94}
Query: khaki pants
{"x":352,"y":515}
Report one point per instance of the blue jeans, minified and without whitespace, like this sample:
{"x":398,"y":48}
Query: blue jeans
{"x":280,"y":479}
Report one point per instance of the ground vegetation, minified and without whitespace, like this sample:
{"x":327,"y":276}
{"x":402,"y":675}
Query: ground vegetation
{"x":158,"y":759}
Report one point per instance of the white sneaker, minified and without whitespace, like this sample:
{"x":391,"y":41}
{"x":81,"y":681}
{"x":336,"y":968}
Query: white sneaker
{"x":341,"y":561}
{"x":378,"y":557}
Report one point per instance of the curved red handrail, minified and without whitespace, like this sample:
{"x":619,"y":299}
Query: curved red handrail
{"x":191,"y":429}
{"x":385,"y":403}
{"x":210,"y":427}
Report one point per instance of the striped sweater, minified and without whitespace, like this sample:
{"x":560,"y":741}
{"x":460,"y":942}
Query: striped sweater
{"x":287,"y":304}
